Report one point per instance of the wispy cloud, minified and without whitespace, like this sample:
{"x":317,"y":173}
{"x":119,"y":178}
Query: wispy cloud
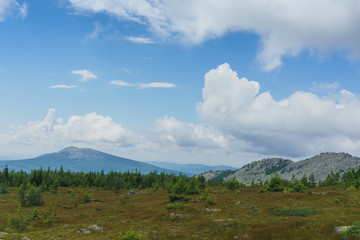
{"x":325,"y":87}
{"x":63,"y":86}
{"x":121,"y":83}
{"x":98,"y":29}
{"x":86,"y":75}
{"x":157,"y":85}
{"x":23,"y":10}
{"x":140,"y":40}
{"x":10,"y":7}
{"x":143,"y":85}
{"x":126,"y":70}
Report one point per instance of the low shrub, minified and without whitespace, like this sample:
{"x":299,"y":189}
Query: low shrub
{"x":33,"y":197}
{"x":175,"y":206}
{"x":21,"y":195}
{"x":3,"y":189}
{"x":210,"y":201}
{"x":232,"y":184}
{"x":297,"y":186}
{"x":173,"y":197}
{"x":203,"y":197}
{"x":352,"y":232}
{"x":18,"y":223}
{"x":85,"y":198}
{"x":129,"y":235}
{"x":35,"y":216}
{"x":49,"y":217}
{"x":295,"y":212}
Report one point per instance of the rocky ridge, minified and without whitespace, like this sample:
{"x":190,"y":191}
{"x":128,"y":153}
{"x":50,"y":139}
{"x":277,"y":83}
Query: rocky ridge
{"x":321,"y":165}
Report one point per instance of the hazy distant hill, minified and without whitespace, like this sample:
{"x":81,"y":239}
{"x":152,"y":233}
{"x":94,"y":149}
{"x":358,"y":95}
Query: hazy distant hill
{"x":82,"y":159}
{"x":190,"y":168}
{"x":321,"y":165}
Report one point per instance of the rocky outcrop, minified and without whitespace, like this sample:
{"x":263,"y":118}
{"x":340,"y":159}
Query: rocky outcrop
{"x":321,"y":165}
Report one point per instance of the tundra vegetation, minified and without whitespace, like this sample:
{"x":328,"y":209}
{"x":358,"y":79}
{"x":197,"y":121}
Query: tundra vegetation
{"x":49,"y":204}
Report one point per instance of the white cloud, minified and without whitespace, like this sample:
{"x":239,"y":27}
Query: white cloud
{"x":86,"y":75}
{"x":284,"y":27}
{"x":121,"y":83}
{"x":157,"y":85}
{"x":140,"y":40}
{"x":303,"y":123}
{"x":90,"y":129}
{"x":63,"y":86}
{"x":9,"y":6}
{"x":172,"y":133}
{"x":143,"y":85}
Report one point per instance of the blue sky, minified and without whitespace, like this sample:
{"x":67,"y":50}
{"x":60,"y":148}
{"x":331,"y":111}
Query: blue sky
{"x":180,"y":81}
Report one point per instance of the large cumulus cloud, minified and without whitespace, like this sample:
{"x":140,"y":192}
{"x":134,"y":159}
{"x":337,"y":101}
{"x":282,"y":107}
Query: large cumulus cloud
{"x":284,"y":27}
{"x":301,"y":124}
{"x":90,"y":129}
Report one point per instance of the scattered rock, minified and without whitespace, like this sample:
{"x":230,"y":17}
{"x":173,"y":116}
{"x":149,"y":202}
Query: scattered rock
{"x":210,"y":209}
{"x":341,"y":229}
{"x":132,"y":192}
{"x":25,"y":238}
{"x":3,"y":233}
{"x":318,"y":193}
{"x":225,"y":220}
{"x":85,"y":230}
{"x":96,"y":227}
{"x":175,"y":215}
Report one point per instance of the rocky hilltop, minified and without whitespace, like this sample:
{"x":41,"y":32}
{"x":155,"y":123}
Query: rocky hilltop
{"x":321,"y":165}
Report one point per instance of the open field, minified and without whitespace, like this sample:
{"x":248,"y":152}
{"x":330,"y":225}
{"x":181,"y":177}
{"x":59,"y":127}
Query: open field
{"x":247,"y":213}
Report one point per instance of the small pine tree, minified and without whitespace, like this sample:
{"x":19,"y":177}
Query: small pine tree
{"x":275,"y":184}
{"x":35,"y":216}
{"x":293,"y":178}
{"x":192,"y":187}
{"x":180,"y":186}
{"x":312,"y":181}
{"x":297,"y":186}
{"x":232,"y":184}
{"x":201,"y":182}
{"x":3,"y":189}
{"x":33,"y":197}
{"x":21,"y":195}
{"x":304,"y":180}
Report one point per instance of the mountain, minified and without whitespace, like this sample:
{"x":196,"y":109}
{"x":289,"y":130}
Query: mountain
{"x":191,"y":168}
{"x":321,"y":165}
{"x":82,"y":159}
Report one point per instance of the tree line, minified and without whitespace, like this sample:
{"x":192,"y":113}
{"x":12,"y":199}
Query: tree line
{"x":49,"y":179}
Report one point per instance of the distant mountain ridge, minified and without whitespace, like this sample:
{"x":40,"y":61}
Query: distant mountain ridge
{"x":321,"y":165}
{"x":84,"y":160}
{"x":191,"y":168}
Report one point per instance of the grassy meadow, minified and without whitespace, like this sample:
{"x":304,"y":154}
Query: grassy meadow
{"x":246,"y":213}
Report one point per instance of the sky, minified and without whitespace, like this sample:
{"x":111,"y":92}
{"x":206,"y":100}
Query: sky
{"x":190,"y":81}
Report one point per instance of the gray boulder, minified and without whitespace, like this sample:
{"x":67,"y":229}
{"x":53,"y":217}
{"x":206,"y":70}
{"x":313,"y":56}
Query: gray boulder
{"x":341,"y":229}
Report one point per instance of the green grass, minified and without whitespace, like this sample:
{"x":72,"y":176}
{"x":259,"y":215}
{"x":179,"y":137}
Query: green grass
{"x":295,"y":212}
{"x":254,"y":214}
{"x":175,"y":205}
